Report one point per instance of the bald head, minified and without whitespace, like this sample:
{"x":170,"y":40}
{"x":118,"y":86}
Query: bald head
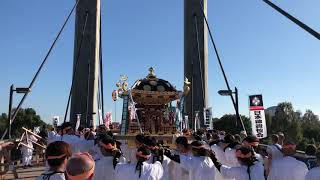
{"x":80,"y":167}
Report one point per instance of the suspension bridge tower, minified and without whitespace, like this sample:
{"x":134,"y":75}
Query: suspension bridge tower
{"x":196,"y":58}
{"x":86,"y":62}
{"x":87,"y":51}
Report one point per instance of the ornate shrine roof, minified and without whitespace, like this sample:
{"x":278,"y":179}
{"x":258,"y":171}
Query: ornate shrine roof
{"x":153,"y":91}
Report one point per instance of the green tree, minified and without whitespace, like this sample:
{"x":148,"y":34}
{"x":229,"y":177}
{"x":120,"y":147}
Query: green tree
{"x":27,"y":118}
{"x":310,"y":125}
{"x":288,"y":121}
{"x":3,"y":122}
{"x":228,"y":124}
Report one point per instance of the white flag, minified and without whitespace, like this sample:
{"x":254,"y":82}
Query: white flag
{"x":257,"y":116}
{"x":78,"y":122}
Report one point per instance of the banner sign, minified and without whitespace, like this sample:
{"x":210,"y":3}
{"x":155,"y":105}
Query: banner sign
{"x":257,"y":116}
{"x":115,"y":95}
{"x":78,"y":122}
{"x":207,"y":114}
{"x":55,"y":121}
{"x":108,"y":119}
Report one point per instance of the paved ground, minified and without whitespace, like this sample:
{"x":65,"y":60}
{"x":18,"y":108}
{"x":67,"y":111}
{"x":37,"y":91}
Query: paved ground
{"x":27,"y":174}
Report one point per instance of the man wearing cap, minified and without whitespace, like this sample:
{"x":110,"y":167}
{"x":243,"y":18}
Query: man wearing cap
{"x":288,"y":167}
{"x":314,"y":173}
{"x":106,"y":165}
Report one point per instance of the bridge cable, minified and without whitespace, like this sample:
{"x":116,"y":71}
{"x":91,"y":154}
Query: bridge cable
{"x":199,"y":56}
{"x":101,"y":67}
{"x":88,"y":91}
{"x":41,"y":66}
{"x":220,"y":63}
{"x":99,"y":101}
{"x":293,"y":19}
{"x":76,"y":65}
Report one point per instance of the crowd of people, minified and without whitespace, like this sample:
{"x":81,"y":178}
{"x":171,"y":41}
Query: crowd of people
{"x":202,"y":155}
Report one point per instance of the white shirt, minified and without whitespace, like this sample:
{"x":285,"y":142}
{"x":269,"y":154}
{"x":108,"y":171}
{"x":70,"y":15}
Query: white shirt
{"x":104,"y":169}
{"x":178,"y":172}
{"x":287,"y":168}
{"x":129,"y":152}
{"x":313,"y":174}
{"x":200,"y":168}
{"x":29,"y":142}
{"x":148,"y":171}
{"x":231,"y":159}
{"x":55,"y":176}
{"x":241,"y":173}
{"x":259,"y":157}
{"x":274,"y":151}
{"x":96,"y":152}
{"x":77,"y":144}
{"x":53,"y":136}
{"x":220,"y":155}
{"x":165,"y":166}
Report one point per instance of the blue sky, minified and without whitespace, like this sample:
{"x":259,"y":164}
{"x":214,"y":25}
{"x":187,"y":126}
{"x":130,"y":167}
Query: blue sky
{"x":262,"y":51}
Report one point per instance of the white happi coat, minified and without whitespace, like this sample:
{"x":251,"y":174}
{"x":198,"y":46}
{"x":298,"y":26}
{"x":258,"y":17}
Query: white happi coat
{"x":77,"y":144}
{"x":148,"y":172}
{"x":129,"y":152}
{"x":220,"y":155}
{"x":104,"y":169}
{"x":165,"y":165}
{"x":241,"y":173}
{"x":49,"y":175}
{"x":287,"y":168}
{"x":231,"y":158}
{"x":27,"y":151}
{"x":178,"y":172}
{"x":313,"y":174}
{"x":275,"y":152}
{"x":53,"y":136}
{"x":200,"y":168}
{"x":96,"y":152}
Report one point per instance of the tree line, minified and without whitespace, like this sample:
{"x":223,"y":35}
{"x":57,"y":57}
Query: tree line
{"x":27,"y":118}
{"x":302,"y":128}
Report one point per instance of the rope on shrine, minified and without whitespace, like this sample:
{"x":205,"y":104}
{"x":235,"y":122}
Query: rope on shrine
{"x":220,"y":63}
{"x":76,"y":65}
{"x":41,"y":66}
